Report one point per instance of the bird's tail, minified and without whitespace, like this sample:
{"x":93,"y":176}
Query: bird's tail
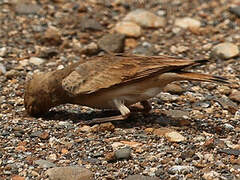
{"x":201,"y":77}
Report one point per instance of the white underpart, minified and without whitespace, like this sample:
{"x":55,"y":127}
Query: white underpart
{"x":121,"y":107}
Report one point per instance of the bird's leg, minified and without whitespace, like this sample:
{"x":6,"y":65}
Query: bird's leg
{"x":125,"y":112}
{"x":144,"y":107}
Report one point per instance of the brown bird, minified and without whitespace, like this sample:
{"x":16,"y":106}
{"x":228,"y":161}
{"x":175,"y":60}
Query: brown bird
{"x":109,"y":82}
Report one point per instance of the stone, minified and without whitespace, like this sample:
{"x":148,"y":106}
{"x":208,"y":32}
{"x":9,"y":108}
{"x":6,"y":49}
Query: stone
{"x":235,"y":10}
{"x":90,"y":24}
{"x":130,"y":43}
{"x":132,"y":144}
{"x":226,"y":103}
{"x":235,"y":96}
{"x":166,"y":97}
{"x":36,"y":61}
{"x":123,"y":153}
{"x":174,"y":137}
{"x":212,"y":175}
{"x":2,"y":69}
{"x":69,"y":173}
{"x":180,"y":169}
{"x":141,"y":177}
{"x":52,"y":36}
{"x":44,"y":164}
{"x":235,"y":152}
{"x":144,"y":50}
{"x":115,"y":145}
{"x":228,"y":126}
{"x":173,"y":89}
{"x":130,"y":29}
{"x":177,"y":114}
{"x":90,"y":49}
{"x":145,"y":18}
{"x":85,"y":128}
{"x":17,"y":178}
{"x":112,"y":43}
{"x":110,"y":156}
{"x":12,"y":73}
{"x":106,"y":127}
{"x":187,"y":22}
{"x":27,"y":8}
{"x":3,"y":51}
{"x":225,"y":50}
{"x":170,"y":134}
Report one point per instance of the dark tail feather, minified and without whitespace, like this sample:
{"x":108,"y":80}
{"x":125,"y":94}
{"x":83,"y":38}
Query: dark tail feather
{"x":201,"y":77}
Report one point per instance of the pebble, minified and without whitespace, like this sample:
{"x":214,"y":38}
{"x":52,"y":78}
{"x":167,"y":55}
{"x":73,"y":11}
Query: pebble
{"x":85,"y":128}
{"x":226,"y":102}
{"x":141,"y":177}
{"x":212,"y":175}
{"x":180,"y":169}
{"x":52,"y":36}
{"x":123,"y":153}
{"x":115,"y":145}
{"x":167,"y":97}
{"x":177,"y":114}
{"x":225,"y":50}
{"x":12,"y":73}
{"x":130,"y":29}
{"x":69,"y":173}
{"x":235,"y":96}
{"x":228,"y":126}
{"x":112,"y":43}
{"x":2,"y":69}
{"x":27,"y":8}
{"x":145,"y":18}
{"x":36,"y":61}
{"x":90,"y":49}
{"x":187,"y":22}
{"x":17,"y":178}
{"x":235,"y":10}
{"x":3,"y":51}
{"x":44,"y":164}
{"x":144,"y":50}
{"x":174,"y":89}
{"x":170,"y":134}
{"x":90,"y":24}
{"x":235,"y":152}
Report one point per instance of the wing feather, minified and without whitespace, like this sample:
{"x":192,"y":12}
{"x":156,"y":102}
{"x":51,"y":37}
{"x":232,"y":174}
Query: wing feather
{"x":106,"y":71}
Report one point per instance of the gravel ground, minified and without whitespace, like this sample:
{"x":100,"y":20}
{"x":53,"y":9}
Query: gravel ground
{"x":193,"y":131}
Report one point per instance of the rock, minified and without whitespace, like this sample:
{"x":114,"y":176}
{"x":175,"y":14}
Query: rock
{"x":180,"y":169}
{"x":178,"y":49}
{"x":90,"y":24}
{"x":170,"y":134}
{"x":174,"y":89}
{"x":48,"y":53}
{"x":44,"y":164}
{"x":177,"y":114}
{"x":52,"y":36}
{"x":145,"y":18}
{"x":235,"y":96}
{"x":130,"y":29}
{"x":235,"y":152}
{"x":3,"y":51}
{"x":226,"y":103}
{"x":167,"y":97}
{"x":187,"y":22}
{"x":69,"y":173}
{"x":85,"y":128}
{"x":17,"y":178}
{"x":106,"y":127}
{"x":115,"y":145}
{"x":225,"y":50}
{"x":212,"y":175}
{"x":112,"y":43}
{"x":27,"y":8}
{"x":141,"y":177}
{"x":41,"y":134}
{"x":235,"y":10}
{"x":110,"y":156}
{"x":123,"y":153}
{"x":131,"y":143}
{"x":12,"y":73}
{"x":36,"y":61}
{"x":2,"y":69}
{"x":144,"y":50}
{"x":228,"y":126}
{"x":90,"y":49}
{"x":174,"y":137}
{"x":130,"y":43}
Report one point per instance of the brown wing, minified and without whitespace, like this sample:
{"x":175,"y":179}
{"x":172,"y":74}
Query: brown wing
{"x":106,"y":71}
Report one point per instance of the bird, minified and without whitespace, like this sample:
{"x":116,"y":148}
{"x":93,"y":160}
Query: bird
{"x":110,"y":82}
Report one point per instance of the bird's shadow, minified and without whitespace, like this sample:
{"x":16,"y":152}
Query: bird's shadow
{"x":152,"y":119}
